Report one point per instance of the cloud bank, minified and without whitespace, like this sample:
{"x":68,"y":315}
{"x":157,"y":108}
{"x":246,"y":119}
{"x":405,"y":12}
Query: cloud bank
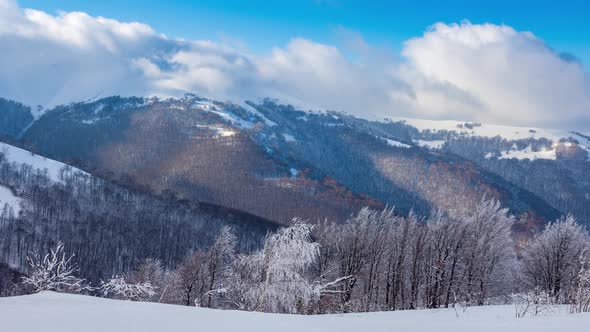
{"x":465,"y":71}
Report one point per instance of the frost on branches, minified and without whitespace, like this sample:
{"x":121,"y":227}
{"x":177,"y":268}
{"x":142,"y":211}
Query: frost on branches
{"x":551,"y":260}
{"x":580,"y":298}
{"x":273,"y":280}
{"x":119,"y":288}
{"x":54,"y":272}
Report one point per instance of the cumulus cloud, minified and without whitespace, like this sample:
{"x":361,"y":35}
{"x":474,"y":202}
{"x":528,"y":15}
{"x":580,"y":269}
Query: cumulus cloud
{"x":461,"y":71}
{"x":496,"y":74}
{"x":48,"y":60}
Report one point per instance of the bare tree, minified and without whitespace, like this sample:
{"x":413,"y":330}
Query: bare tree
{"x":219,"y":259}
{"x":120,"y":288}
{"x":190,"y":278}
{"x":54,"y":271}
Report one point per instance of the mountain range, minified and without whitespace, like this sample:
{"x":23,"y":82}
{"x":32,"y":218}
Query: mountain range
{"x":278,"y":161}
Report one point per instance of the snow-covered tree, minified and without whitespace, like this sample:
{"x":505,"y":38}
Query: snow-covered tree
{"x":551,"y":260}
{"x":580,"y":295}
{"x":274,"y":280}
{"x":118,"y":287}
{"x":489,"y":257}
{"x":54,"y":271}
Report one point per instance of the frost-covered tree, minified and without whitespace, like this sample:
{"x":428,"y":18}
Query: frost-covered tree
{"x":391,"y":262}
{"x":489,"y":259}
{"x":151,"y":272}
{"x":350,"y":244}
{"x":219,"y":258}
{"x":274,"y":279}
{"x":551,"y":260}
{"x":119,"y":288}
{"x":580,"y":295}
{"x":54,"y":271}
{"x":444,"y":259}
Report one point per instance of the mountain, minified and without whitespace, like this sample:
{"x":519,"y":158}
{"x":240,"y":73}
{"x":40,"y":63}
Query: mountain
{"x":278,"y":162}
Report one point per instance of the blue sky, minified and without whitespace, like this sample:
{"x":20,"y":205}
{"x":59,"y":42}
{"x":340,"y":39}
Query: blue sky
{"x":261,"y":24}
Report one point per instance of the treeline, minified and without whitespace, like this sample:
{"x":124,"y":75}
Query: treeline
{"x":111,"y":229}
{"x":373,"y":261}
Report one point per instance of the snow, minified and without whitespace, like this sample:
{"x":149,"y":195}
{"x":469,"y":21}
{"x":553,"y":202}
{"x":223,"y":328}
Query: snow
{"x":289,"y":138}
{"x":90,"y":121}
{"x":225,"y":132}
{"x":53,"y":312}
{"x":434,"y":144}
{"x":38,"y":112}
{"x":233,"y":119}
{"x":294,"y":172}
{"x":7,"y":197}
{"x":297,"y":104}
{"x":99,"y":108}
{"x":396,"y":143}
{"x":17,"y":155}
{"x":203,"y":105}
{"x":528,"y":153}
{"x":254,"y":111}
{"x":488,"y":130}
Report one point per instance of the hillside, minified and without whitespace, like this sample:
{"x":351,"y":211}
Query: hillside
{"x":552,"y":164}
{"x":110,"y":227}
{"x":194,"y":148}
{"x":276,"y":161}
{"x":54,"y":312}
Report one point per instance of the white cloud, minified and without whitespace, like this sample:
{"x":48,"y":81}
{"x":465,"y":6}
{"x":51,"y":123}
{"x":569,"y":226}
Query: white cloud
{"x":468,"y":72}
{"x":496,"y":74}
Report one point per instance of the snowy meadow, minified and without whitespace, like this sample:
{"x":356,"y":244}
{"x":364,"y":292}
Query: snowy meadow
{"x":53,"y":312}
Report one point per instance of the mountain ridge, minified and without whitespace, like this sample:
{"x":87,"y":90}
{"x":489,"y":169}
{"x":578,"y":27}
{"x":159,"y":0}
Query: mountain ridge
{"x":294,"y":158}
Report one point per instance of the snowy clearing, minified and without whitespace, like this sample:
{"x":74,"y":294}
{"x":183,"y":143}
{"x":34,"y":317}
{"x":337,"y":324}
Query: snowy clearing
{"x":17,"y":155}
{"x":528,"y":153}
{"x":434,"y":145}
{"x":254,"y":111}
{"x":53,"y":312}
{"x":395,"y":143}
{"x":487,"y":130}
{"x":7,"y":197}
{"x":289,"y":138}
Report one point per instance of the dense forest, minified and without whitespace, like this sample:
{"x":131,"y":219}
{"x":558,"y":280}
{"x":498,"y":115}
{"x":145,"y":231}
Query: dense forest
{"x":111,"y":227}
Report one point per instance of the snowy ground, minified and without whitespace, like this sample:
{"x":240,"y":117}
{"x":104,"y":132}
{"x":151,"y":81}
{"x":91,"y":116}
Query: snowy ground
{"x":17,"y":155}
{"x":52,"y":312}
{"x":7,"y":197}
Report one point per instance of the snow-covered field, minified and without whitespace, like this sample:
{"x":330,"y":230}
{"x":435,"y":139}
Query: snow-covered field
{"x":487,"y":130}
{"x":18,"y":155}
{"x":52,"y":312}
